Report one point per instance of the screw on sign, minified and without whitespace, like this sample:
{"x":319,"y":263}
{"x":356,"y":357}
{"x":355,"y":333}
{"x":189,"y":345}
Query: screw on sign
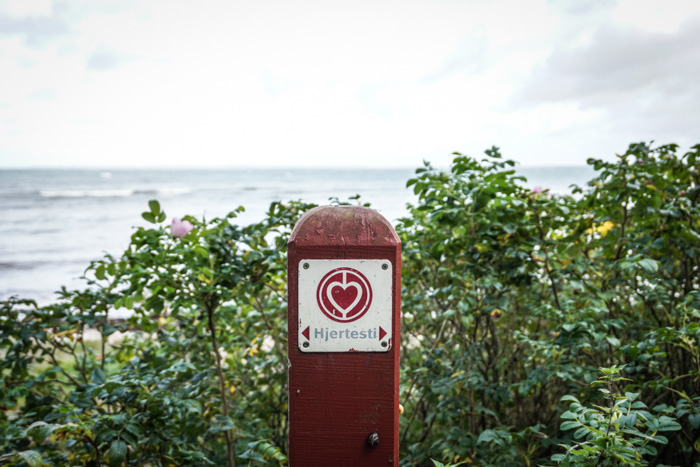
{"x":344,"y":325}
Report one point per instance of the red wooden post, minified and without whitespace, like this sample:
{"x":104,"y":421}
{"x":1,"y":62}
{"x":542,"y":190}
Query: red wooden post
{"x":344,"y":329}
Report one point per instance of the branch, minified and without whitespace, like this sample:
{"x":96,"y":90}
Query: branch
{"x":210,"y":306}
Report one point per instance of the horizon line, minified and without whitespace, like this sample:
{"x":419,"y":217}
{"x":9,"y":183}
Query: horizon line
{"x":246,"y":167}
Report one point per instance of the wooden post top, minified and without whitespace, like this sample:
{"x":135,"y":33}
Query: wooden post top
{"x":343,"y":226}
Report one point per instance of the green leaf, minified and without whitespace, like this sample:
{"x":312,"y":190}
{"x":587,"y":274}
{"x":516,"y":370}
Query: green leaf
{"x":569,"y":398}
{"x":613,"y":341}
{"x":154,"y":205}
{"x":149,"y":217}
{"x":570,"y":425}
{"x":117,"y":452}
{"x":134,"y":429}
{"x":694,"y":420}
{"x":487,"y":436}
{"x":222,"y":424}
{"x":161,"y":217}
{"x":668,"y":424}
{"x":649,"y":265}
{"x":41,"y":430}
{"x":98,"y":376}
{"x":32,"y":458}
{"x":100,"y":272}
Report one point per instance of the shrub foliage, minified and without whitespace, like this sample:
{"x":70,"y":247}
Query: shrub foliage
{"x":538,"y":329}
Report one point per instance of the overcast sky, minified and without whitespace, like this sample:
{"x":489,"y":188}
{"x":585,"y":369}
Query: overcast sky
{"x":174,"y":83}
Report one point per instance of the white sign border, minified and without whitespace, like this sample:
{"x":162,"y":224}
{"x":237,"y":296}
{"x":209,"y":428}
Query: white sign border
{"x":362,"y":335}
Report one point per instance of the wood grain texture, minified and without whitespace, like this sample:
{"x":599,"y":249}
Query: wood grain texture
{"x":336,"y":400}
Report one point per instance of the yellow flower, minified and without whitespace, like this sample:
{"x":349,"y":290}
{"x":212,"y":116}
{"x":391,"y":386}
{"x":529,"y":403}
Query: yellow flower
{"x":604,"y":229}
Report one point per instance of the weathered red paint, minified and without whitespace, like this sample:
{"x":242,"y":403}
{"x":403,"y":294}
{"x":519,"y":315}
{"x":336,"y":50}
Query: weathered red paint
{"x":337,"y":400}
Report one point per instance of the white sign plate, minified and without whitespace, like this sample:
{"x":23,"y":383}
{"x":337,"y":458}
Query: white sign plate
{"x":345,"y":305}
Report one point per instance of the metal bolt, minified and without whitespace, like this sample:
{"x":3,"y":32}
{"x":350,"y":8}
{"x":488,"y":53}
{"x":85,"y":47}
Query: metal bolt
{"x":384,"y":344}
{"x":373,"y":439}
{"x":305,"y":344}
{"x":385,"y":266}
{"x":306,"y":265}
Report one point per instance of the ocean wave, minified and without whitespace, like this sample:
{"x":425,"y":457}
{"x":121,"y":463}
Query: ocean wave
{"x":86,"y":193}
{"x":164,"y":191}
{"x":122,"y":193}
{"x":23,"y":265}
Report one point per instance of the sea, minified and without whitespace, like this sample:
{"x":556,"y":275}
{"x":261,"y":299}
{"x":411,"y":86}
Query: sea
{"x":54,"y":222}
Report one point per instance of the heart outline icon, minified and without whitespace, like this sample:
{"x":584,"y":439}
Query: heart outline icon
{"x":344,"y":286}
{"x":344,"y":277}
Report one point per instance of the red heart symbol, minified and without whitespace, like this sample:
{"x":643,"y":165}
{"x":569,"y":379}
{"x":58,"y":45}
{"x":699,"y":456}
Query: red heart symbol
{"x":344,"y":297}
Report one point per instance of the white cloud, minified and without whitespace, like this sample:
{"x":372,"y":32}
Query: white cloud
{"x":22,"y":8}
{"x":127,"y":83}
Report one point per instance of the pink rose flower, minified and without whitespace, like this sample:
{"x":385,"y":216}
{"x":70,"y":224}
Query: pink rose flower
{"x":537,"y":189}
{"x":180,"y":228}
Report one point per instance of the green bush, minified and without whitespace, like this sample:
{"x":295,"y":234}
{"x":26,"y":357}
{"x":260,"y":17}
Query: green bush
{"x":513,"y":301}
{"x":200,"y":375}
{"x":514,"y":298}
{"x":612,"y":435}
